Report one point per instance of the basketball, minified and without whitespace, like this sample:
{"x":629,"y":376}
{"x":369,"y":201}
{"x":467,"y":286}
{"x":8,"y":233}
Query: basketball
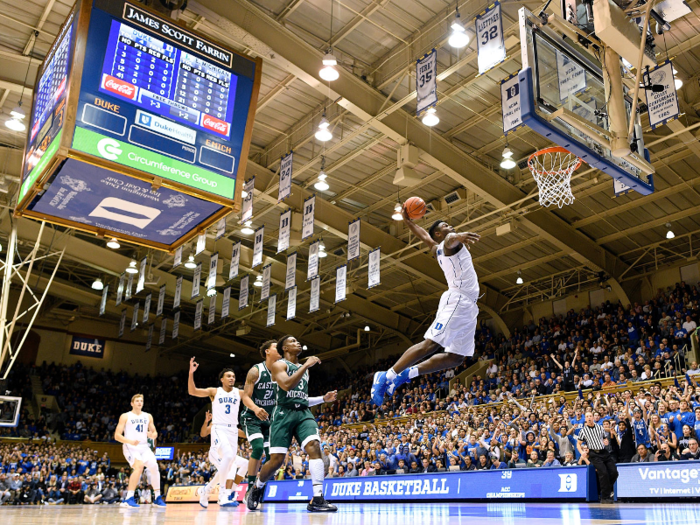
{"x":415,"y":207}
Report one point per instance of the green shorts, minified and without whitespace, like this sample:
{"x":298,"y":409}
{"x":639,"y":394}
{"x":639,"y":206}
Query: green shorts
{"x":255,"y":428}
{"x":287,"y":423}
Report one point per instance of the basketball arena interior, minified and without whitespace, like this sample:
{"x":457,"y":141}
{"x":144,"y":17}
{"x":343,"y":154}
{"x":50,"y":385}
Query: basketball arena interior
{"x":348,"y":261}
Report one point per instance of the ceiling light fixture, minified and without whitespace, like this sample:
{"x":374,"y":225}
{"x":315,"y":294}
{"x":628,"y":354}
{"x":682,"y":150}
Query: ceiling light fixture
{"x":321,"y":184}
{"x":507,"y":163}
{"x":15,"y":124}
{"x":190,"y":264}
{"x":367,"y":328}
{"x":669,"y":233}
{"x":247,"y":228}
{"x":397,"y":215}
{"x":97,"y":284}
{"x":519,"y":280}
{"x":677,"y":81}
{"x":232,"y":355}
{"x":329,"y":73}
{"x":459,"y":36}
{"x":132,"y":267}
{"x":323,"y":134}
{"x":304,"y":347}
{"x":430,"y":118}
{"x":211,"y":292}
{"x":113,"y":243}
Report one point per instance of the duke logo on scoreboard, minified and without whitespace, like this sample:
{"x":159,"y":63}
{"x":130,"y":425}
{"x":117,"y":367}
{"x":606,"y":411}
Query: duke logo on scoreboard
{"x":569,"y":482}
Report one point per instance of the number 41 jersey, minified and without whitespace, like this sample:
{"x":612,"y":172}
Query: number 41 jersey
{"x":263,"y":393}
{"x":224,"y":408}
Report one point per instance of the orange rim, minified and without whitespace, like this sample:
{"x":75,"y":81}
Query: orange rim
{"x":553,"y":149}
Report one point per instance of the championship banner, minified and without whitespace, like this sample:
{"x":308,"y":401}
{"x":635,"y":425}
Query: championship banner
{"x":196,"y":280}
{"x":247,"y":208}
{"x":354,"y":240}
{"x":129,"y":286}
{"x":146,"y":308}
{"x":285,"y":230}
{"x":201,"y":243}
{"x":161,"y":301}
{"x":313,"y":260}
{"x":271,"y":309}
{"x":120,"y":288}
{"x":177,"y":259}
{"x":87,"y":346}
{"x":571,"y":77}
{"x":243,"y":293}
{"x":315,"y":295}
{"x":340,"y":283}
{"x":286,"y":176}
{"x":122,"y":323}
{"x":291,"y":303}
{"x":291,"y":277}
{"x":211,"y":278}
{"x":212,"y":310}
{"x":163,"y":331}
{"x":178,"y":292}
{"x":226,"y":302}
{"x":149,"y":341}
{"x":176,"y":325}
{"x":373,"y":278}
{"x":103,"y":302}
{"x":489,"y":38}
{"x":265,"y":292}
{"x":307,"y":223}
{"x":258,"y":246}
{"x":220,"y":229}
{"x":141,"y":283}
{"x":235,"y":259}
{"x":426,"y":82}
{"x":135,"y":316}
{"x":510,"y":104}
{"x":198,"y":315}
{"x":662,"y":107}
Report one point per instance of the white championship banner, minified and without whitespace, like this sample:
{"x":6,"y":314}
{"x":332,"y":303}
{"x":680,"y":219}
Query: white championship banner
{"x":146,"y":308}
{"x":201,"y":243}
{"x":286,"y":166}
{"x":129,"y":286}
{"x":178,"y":292}
{"x":140,"y":284}
{"x":235,"y":260}
{"x":314,"y":304}
{"x":247,"y":208}
{"x":291,"y":276}
{"x":220,"y":229}
{"x":426,"y":82}
{"x":265,"y":291}
{"x":341,"y":283}
{"x":510,"y":104}
{"x":291,"y":303}
{"x":196,"y":280}
{"x":135,"y":316}
{"x":373,"y":278}
{"x":212,"y":310}
{"x":163,"y":331}
{"x":662,"y":107}
{"x":103,"y":302}
{"x":226,"y":303}
{"x":176,"y":325}
{"x":120,"y":288}
{"x":271,"y":309}
{"x":307,"y":223}
{"x":149,"y":340}
{"x":258,"y":246}
{"x":177,"y":258}
{"x":313,"y":260}
{"x":243,"y":293}
{"x":285,"y":230}
{"x":354,"y":240}
{"x":489,"y":35}
{"x":122,"y":323}
{"x":211,"y":278}
{"x":161,"y":301}
{"x":198,"y":314}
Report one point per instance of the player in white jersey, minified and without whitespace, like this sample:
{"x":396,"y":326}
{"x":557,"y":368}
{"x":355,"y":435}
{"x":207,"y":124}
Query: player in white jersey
{"x":455,"y":323}
{"x":134,"y":430}
{"x":225,"y":402}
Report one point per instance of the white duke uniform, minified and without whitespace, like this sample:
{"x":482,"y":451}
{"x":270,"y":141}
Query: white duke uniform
{"x":137,"y":428}
{"x":224,"y":429}
{"x":455,"y":323}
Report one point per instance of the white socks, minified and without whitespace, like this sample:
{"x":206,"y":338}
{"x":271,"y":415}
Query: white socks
{"x":259,"y":484}
{"x":316,"y":469}
{"x":156,"y":493}
{"x":413,"y":372}
{"x":129,"y":494}
{"x":390,"y":375}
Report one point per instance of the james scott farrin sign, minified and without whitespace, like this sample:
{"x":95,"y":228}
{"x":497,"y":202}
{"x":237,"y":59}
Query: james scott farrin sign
{"x":568,"y":483}
{"x":673,"y":479}
{"x":87,"y":346}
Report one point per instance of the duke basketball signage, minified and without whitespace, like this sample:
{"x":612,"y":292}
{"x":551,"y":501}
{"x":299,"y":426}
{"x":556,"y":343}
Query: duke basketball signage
{"x":87,"y":346}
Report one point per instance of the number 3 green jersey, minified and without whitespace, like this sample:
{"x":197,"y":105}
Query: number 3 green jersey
{"x":298,"y":396}
{"x":263,"y":392}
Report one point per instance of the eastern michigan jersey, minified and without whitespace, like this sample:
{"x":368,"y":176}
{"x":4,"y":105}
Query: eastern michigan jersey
{"x":298,"y":396}
{"x":137,"y":427}
{"x":264,"y":393}
{"x":224,"y":408}
{"x":459,"y":271}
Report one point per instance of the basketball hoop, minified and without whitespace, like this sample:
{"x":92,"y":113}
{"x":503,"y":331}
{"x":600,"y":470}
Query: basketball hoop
{"x":552,"y":169}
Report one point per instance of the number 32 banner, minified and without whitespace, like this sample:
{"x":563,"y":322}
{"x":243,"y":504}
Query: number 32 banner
{"x":489,"y":32}
{"x":426,"y":82}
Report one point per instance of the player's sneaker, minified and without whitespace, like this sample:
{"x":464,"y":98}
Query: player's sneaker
{"x":229,"y":504}
{"x":379,"y":386}
{"x":159,"y":502}
{"x":204,"y":497}
{"x":319,"y":504}
{"x":399,"y":380}
{"x":255,"y":497}
{"x":130,"y":502}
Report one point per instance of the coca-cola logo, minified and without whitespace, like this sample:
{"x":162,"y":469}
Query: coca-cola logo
{"x":122,"y":88}
{"x":215,"y":124}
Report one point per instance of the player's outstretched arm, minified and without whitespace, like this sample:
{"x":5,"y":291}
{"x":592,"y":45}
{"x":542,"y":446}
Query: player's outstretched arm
{"x":419,"y":232}
{"x":455,"y":239}
{"x":287,"y":382}
{"x":192,"y":388}
{"x":247,"y":394}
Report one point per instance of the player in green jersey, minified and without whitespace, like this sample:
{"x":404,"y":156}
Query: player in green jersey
{"x":292,"y":418}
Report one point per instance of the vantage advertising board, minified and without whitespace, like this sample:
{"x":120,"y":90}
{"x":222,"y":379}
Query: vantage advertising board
{"x":663,"y":480}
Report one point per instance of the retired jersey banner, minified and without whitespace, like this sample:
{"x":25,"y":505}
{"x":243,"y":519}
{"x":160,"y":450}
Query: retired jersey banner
{"x":341,"y":283}
{"x":176,"y":325}
{"x":315,"y":295}
{"x":141,"y":283}
{"x":235,"y":260}
{"x":291,"y":276}
{"x":212,"y":310}
{"x":196,"y":280}
{"x":161,"y":301}
{"x":149,"y":340}
{"x":265,"y":292}
{"x":307,"y":223}
{"x":247,"y":208}
{"x":354,"y":240}
{"x":285,"y":230}
{"x":220,"y":229}
{"x":258,"y":246}
{"x":211,"y":278}
{"x":243,"y":293}
{"x":135,"y":316}
{"x":286,"y":176}
{"x":201,"y":243}
{"x":120,"y":288}
{"x":426,"y":82}
{"x":271,"y":309}
{"x":225,"y":304}
{"x":198,"y":314}
{"x":489,"y":35}
{"x":163,"y":331}
{"x":291,"y":303}
{"x":510,"y":104}
{"x":146,"y":308}
{"x":177,"y":258}
{"x":178,"y":292}
{"x":373,"y":278}
{"x":662,"y":107}
{"x":122,"y":323}
{"x":103,"y":302}
{"x":313,"y":260}
{"x":129,"y":286}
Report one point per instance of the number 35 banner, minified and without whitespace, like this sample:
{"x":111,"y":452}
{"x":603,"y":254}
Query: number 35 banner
{"x":489,"y":32}
{"x":426,"y":82}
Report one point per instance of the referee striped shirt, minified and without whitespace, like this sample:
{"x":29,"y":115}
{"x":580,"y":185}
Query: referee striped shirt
{"x":593,"y":437}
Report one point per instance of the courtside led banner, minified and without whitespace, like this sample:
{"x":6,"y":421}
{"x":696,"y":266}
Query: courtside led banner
{"x":672,"y":479}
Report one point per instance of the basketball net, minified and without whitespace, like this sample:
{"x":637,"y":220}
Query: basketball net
{"x":552,"y":169}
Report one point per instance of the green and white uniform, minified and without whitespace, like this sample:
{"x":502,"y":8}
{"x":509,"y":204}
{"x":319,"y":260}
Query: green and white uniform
{"x":291,"y":416}
{"x":263,"y":396}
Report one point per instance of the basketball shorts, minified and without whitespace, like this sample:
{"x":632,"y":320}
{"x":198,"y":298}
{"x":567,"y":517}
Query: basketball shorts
{"x":256,"y":429}
{"x":142,"y":453}
{"x":455,"y":324}
{"x":221,"y":439}
{"x":287,"y":424}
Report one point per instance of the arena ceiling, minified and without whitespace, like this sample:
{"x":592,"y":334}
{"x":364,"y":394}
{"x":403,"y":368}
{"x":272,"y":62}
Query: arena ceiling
{"x":372,"y":111}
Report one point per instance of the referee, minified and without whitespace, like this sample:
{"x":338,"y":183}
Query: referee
{"x":594,"y":436}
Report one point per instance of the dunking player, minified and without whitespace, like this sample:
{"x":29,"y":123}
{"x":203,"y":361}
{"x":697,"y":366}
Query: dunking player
{"x":225,"y":402}
{"x":259,"y":390}
{"x":292,"y":418}
{"x":455,"y":323}
{"x":134,"y":429}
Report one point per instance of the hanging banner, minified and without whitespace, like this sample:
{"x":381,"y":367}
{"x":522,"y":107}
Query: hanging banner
{"x":258,"y":246}
{"x":291,"y":277}
{"x":286,"y":176}
{"x":135,"y":316}
{"x":141,"y":283}
{"x":571,"y":77}
{"x":489,"y":36}
{"x":235,"y":259}
{"x":161,"y":301}
{"x":315,"y":295}
{"x":226,"y":302}
{"x":149,"y":341}
{"x":265,"y":292}
{"x":176,"y":325}
{"x":212,"y":310}
{"x":291,"y":303}
{"x":373,"y":268}
{"x":103,"y":302}
{"x":178,"y":292}
{"x":313,"y":261}
{"x":120,"y":288}
{"x":122,"y":323}
{"x":201,"y":243}
{"x":88,"y":346}
{"x":247,"y":207}
{"x":271,"y":309}
{"x":510,"y":104}
{"x":340,"y":283}
{"x":177,"y":259}
{"x":354,"y":240}
{"x":307,"y":223}
{"x":129,"y":286}
{"x":196,"y":280}
{"x":662,"y":107}
{"x":426,"y":82}
{"x":211,"y":278}
{"x":198,"y":314}
{"x":163,"y":331}
{"x":285,"y":230}
{"x":220,"y":229}
{"x":146,"y":308}
{"x":243,"y":293}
